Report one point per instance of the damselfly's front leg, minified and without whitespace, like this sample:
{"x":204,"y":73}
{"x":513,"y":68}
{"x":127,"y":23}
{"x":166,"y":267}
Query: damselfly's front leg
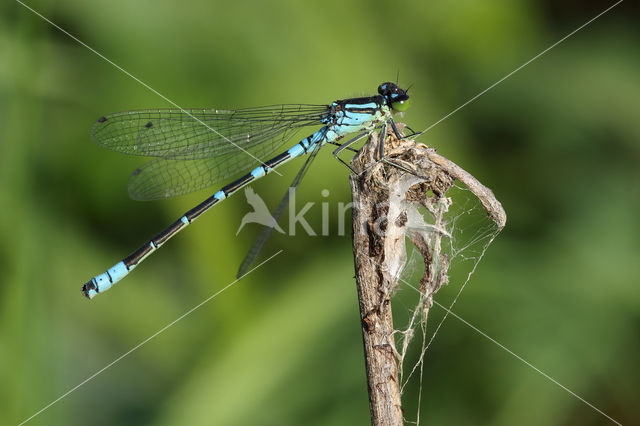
{"x":342,"y":147}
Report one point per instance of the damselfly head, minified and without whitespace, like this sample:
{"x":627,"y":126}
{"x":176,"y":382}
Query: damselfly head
{"x":397,"y":98}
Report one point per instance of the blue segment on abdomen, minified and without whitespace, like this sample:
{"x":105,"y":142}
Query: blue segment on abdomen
{"x":220,"y":195}
{"x":258,"y":172}
{"x":118,"y":271}
{"x":91,"y":293}
{"x":107,"y":279}
{"x":296,"y":151}
{"x":307,"y":143}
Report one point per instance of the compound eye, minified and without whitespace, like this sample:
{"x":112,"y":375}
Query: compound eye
{"x":400,"y":106}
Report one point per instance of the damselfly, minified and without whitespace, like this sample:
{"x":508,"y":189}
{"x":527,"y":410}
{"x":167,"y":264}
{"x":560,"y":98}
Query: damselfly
{"x":197,"y":148}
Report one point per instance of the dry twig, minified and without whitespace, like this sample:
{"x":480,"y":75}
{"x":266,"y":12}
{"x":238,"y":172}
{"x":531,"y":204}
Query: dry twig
{"x":384,"y":201}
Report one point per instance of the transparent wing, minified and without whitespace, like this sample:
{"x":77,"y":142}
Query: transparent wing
{"x":202,"y":133}
{"x":164,"y":177}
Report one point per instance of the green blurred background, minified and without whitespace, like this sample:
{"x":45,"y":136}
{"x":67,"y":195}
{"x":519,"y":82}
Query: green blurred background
{"x":557,"y":142}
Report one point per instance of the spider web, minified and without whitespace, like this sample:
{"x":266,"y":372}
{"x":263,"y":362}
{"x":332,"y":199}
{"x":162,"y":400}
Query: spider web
{"x":448,"y":235}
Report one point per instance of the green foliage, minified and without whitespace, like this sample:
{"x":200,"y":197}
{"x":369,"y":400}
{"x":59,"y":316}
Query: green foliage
{"x":557,"y":142}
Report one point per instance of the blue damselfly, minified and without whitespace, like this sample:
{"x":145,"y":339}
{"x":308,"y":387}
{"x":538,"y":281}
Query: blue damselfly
{"x":197,"y":148}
